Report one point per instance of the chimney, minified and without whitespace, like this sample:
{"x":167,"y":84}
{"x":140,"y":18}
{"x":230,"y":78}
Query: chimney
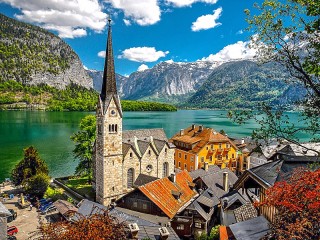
{"x":206,"y":166}
{"x":248,"y":163}
{"x":193,"y":126}
{"x":181,"y":132}
{"x":225,"y":182}
{"x":173,"y":177}
{"x":134,"y":229}
{"x":200,"y":128}
{"x":242,"y":140}
{"x":164,"y":233}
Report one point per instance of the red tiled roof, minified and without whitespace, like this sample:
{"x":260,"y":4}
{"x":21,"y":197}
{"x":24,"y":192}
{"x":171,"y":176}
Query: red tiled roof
{"x":160,"y":193}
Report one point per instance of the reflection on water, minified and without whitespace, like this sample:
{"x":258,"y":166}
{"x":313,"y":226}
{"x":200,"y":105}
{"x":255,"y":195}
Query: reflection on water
{"x":50,"y":132}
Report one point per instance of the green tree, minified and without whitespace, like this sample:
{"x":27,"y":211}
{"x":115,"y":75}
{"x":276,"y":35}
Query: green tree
{"x":84,"y":140}
{"x":28,"y":167}
{"x":37,"y":185}
{"x":287,"y":32}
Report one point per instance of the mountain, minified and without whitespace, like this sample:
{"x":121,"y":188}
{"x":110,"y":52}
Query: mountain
{"x":97,"y":77}
{"x":244,"y":84}
{"x":165,"y":82}
{"x":33,"y":56}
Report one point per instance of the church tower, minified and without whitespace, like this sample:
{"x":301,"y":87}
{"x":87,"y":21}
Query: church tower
{"x":108,"y":147}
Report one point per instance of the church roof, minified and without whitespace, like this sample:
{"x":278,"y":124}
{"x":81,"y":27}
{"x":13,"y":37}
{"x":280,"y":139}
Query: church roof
{"x":109,"y":87}
{"x":144,"y":134}
{"x":160,"y":192}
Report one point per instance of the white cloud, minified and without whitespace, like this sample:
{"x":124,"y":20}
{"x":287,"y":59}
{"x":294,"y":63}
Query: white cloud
{"x":70,"y":18}
{"x":143,"y":54}
{"x":143,"y":12}
{"x":239,"y":50}
{"x":240,"y":32}
{"x":207,"y":21}
{"x":142,"y":67}
{"x":127,"y":22}
{"x":102,"y":54}
{"x":184,"y":3}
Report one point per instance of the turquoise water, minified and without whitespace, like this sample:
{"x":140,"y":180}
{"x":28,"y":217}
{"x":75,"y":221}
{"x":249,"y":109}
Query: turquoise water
{"x":50,"y":132}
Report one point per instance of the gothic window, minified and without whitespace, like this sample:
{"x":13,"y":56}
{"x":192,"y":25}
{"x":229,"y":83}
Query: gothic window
{"x":165,"y":150}
{"x":130,"y":154}
{"x":165,"y":169}
{"x":130,"y":176}
{"x":113,"y":128}
{"x":149,"y":152}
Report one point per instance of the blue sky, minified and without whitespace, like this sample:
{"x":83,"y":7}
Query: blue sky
{"x":145,"y":32}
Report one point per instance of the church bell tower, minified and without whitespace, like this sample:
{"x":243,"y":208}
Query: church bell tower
{"x":108,"y":147}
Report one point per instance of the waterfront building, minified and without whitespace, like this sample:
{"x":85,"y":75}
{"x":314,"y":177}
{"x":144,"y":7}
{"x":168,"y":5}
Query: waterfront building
{"x":121,"y":156}
{"x":197,"y":145}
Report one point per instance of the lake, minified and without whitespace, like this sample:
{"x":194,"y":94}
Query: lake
{"x":50,"y":132}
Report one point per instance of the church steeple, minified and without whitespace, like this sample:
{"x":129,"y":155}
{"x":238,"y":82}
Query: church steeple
{"x":109,"y":86}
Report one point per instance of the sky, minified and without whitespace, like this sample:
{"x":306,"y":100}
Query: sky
{"x":145,"y":32}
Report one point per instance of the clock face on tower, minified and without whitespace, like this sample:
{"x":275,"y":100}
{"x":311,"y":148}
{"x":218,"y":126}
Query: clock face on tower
{"x":113,"y":112}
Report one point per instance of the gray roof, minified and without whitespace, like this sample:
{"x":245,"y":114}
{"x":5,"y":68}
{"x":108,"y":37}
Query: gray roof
{"x":88,"y":208}
{"x":151,"y":232}
{"x":143,"y":146}
{"x":4,"y":212}
{"x":201,"y":172}
{"x":159,"y":144}
{"x":252,"y":229}
{"x":215,"y":181}
{"x":156,"y":133}
{"x":231,"y":197}
{"x":143,"y":179}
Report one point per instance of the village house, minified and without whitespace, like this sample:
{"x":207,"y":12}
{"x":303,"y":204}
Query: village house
{"x":258,"y":179}
{"x":197,"y":145}
{"x":136,"y":228}
{"x":121,"y":156}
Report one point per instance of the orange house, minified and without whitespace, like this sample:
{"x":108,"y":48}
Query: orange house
{"x":197,"y":145}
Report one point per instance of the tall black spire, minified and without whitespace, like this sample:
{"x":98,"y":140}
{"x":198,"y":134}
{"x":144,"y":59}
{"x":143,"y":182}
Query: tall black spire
{"x":109,"y":78}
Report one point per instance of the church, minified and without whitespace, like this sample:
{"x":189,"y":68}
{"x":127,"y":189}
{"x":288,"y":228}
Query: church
{"x":121,"y":158}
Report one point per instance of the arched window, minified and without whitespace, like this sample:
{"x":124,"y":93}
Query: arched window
{"x":116,"y":128}
{"x":130,"y":176}
{"x":165,"y":170}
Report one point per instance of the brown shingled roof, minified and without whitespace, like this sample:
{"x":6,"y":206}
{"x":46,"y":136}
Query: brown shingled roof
{"x":160,"y":193}
{"x":202,"y":138}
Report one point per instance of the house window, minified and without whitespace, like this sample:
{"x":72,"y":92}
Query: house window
{"x":232,"y":155}
{"x":179,"y":164}
{"x":228,"y":145}
{"x":211,"y":146}
{"x":165,"y":169}
{"x":207,"y":148}
{"x":227,"y":156}
{"x":130,"y":177}
{"x":180,"y":227}
{"x":135,"y":204}
{"x":185,"y":156}
{"x":202,"y":159}
{"x":197,"y":225}
{"x":219,"y":157}
{"x":220,"y":145}
{"x":210,"y":158}
{"x":191,"y":158}
{"x":179,"y":155}
{"x":185,"y":166}
{"x":191,"y":168}
{"x":144,"y":206}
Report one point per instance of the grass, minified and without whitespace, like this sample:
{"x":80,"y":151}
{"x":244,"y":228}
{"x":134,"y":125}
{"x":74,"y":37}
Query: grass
{"x":81,"y":185}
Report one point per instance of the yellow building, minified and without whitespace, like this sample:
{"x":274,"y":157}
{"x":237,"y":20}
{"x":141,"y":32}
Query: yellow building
{"x":197,"y":145}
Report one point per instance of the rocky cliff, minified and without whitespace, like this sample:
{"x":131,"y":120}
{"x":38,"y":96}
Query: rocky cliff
{"x":32,"y":55}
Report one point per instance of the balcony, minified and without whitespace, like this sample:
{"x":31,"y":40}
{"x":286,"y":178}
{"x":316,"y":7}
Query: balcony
{"x":226,"y":149}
